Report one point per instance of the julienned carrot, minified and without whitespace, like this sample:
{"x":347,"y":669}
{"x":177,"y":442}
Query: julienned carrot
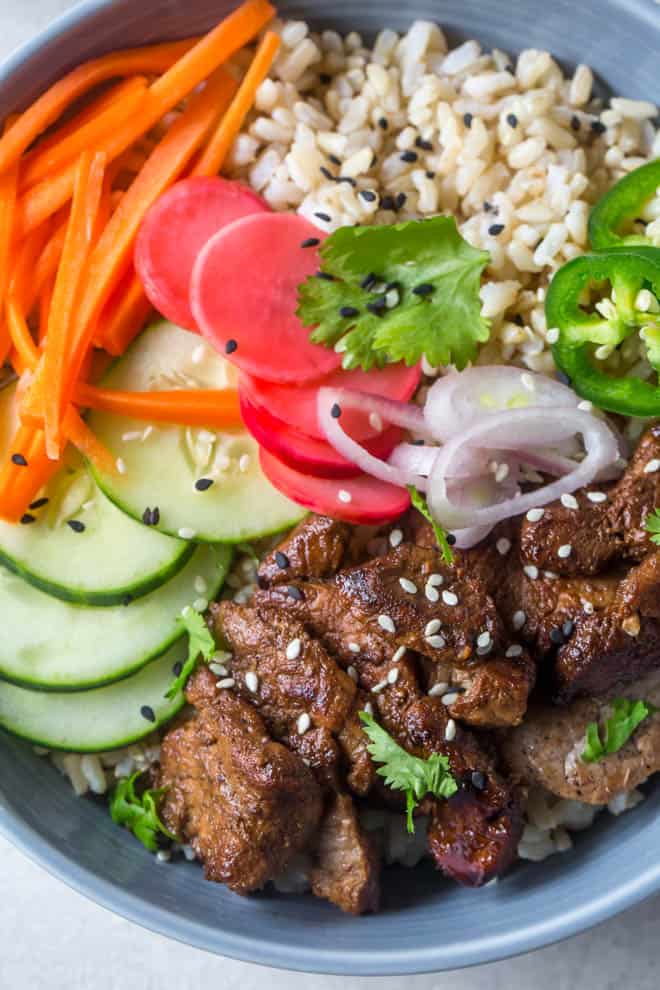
{"x":70,"y":274}
{"x":213,"y":157}
{"x":123,"y":317}
{"x":20,"y":333}
{"x":112,"y":254}
{"x":80,"y":435}
{"x":47,"y":265}
{"x":25,"y":470}
{"x":22,"y":272}
{"x":45,"y":302}
{"x":127,"y":98}
{"x":8,"y":190}
{"x":214,"y":408}
{"x":46,"y":110}
{"x":165,"y":93}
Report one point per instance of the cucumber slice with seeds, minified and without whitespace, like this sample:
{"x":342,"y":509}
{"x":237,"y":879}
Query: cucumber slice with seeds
{"x":162,"y":469}
{"x":99,"y":720}
{"x":51,"y":645}
{"x":75,"y":544}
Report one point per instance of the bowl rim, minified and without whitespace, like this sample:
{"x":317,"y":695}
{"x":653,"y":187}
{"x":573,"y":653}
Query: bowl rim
{"x":293,"y":955}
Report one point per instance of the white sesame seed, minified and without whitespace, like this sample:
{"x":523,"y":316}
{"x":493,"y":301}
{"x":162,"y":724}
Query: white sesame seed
{"x":449,"y":598}
{"x":377,"y":688}
{"x":438,"y":689}
{"x":585,"y":405}
{"x":437,"y":642}
{"x":354,"y":647}
{"x":519,"y":619}
{"x":146,"y":432}
{"x":432,"y":593}
{"x":293,"y":649}
{"x":243,"y":463}
{"x":502,"y":473}
{"x":218,"y":669}
{"x":597,"y":497}
{"x":552,"y":336}
{"x":514,"y":650}
{"x":227,"y":682}
{"x":503,"y":546}
{"x":393,"y":675}
{"x":375,"y":422}
{"x":570,"y":501}
{"x":368,"y":708}
{"x":565,"y":550}
{"x":303,"y":724}
{"x":344,"y":496}
{"x":652,"y":466}
{"x":550,"y":575}
{"x":432,"y":627}
{"x":535,"y":515}
{"x":252,"y":681}
{"x":396,"y":537}
{"x":186,"y":533}
{"x":588,"y":608}
{"x":163,"y":855}
{"x":197,"y":355}
{"x":352,"y":673}
{"x":450,"y":731}
{"x":131,"y":435}
{"x":528,"y":382}
{"x":399,"y":654}
{"x":484,"y":639}
{"x":201,"y":604}
{"x":435,"y":580}
{"x":200,"y":585}
{"x":450,"y":698}
{"x":409,"y":586}
{"x":386,"y":623}
{"x":120,"y":464}
{"x":603,"y":352}
{"x":531,"y":571}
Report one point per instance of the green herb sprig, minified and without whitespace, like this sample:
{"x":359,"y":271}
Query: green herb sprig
{"x":139,"y":813}
{"x":618,"y":729}
{"x":420,"y":503}
{"x":200,"y":644}
{"x":653,"y":526}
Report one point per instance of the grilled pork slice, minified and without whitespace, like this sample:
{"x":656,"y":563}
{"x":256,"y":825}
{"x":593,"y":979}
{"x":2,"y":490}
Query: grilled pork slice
{"x":547,"y":748}
{"x":347,"y":870}
{"x":599,"y":532}
{"x":246,"y":804}
{"x":314,"y":549}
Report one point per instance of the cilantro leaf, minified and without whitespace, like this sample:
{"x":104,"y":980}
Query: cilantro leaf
{"x":618,"y":729}
{"x":653,"y":526}
{"x":139,"y":814}
{"x":441,"y":320}
{"x":419,"y":503}
{"x":201,"y":643}
{"x":404,"y":772}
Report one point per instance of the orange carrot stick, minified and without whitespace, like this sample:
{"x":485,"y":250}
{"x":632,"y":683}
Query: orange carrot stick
{"x":8,"y":189}
{"x":24,"y":471}
{"x":213,"y":157}
{"x":128,"y":97}
{"x":124,"y":315}
{"x":112,"y":254}
{"x":51,"y":104}
{"x":166,"y":92}
{"x":47,"y":265}
{"x":20,"y":333}
{"x":89,"y":446}
{"x":217,"y":408}
{"x":73,"y":264}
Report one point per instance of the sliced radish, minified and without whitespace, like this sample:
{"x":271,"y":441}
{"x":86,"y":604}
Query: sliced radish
{"x":244,"y":295}
{"x":175,"y":230}
{"x":361,"y":500}
{"x":305,"y":453}
{"x":298,"y":406}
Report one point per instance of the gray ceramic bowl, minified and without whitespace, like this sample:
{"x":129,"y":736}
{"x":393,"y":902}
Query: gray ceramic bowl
{"x":426,"y":924}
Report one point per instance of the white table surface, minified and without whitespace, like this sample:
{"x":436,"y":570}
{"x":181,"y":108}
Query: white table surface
{"x":53,"y":939}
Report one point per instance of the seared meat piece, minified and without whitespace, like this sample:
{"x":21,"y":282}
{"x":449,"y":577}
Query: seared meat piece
{"x":320,"y":752}
{"x":246,"y":804}
{"x":361,"y":773}
{"x":347,"y":868}
{"x":314,"y":549}
{"x":602,"y":531}
{"x":410,"y":598}
{"x":547,"y":748}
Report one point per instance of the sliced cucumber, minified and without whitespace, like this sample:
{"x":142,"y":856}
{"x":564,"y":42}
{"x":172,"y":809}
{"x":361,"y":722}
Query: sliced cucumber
{"x":51,"y":645}
{"x":112,"y":557}
{"x":94,"y":721}
{"x":161,"y":471}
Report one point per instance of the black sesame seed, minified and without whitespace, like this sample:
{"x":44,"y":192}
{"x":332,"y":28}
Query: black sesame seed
{"x":367,"y":195}
{"x":231,"y":346}
{"x":323,"y":216}
{"x":347,"y":312}
{"x":424,"y":289}
{"x":488,"y":207}
{"x":423,"y":145}
{"x":326,"y":276}
{"x":400,"y":201}
{"x":126,"y":600}
{"x":512,"y":120}
{"x":567,"y":628}
{"x":295,"y":593}
{"x":575,"y":122}
{"x":335,"y":412}
{"x":409,"y":156}
{"x":451,"y":539}
{"x":76,"y":525}
{"x":348,"y":179}
{"x":155,"y":516}
{"x":326,"y":173}
{"x":598,"y":127}
{"x":19,"y":460}
{"x":374,"y":159}
{"x":563,"y":378}
{"x":378,"y":306}
{"x":478,"y":780}
{"x":557,"y":636}
{"x":282,"y":560}
{"x":146,"y":517}
{"x":27,"y":518}
{"x":382,"y":123}
{"x":518,"y":320}
{"x":495,"y":229}
{"x":177,"y":668}
{"x":368,"y":281}
{"x":310,"y":242}
{"x":467,"y":119}
{"x":148,"y":713}
{"x":334,"y":159}
{"x":417,"y":443}
{"x":324,"y":78}
{"x":387,"y":203}
{"x":203,"y":484}
{"x":39,"y":503}
{"x":430,"y":175}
